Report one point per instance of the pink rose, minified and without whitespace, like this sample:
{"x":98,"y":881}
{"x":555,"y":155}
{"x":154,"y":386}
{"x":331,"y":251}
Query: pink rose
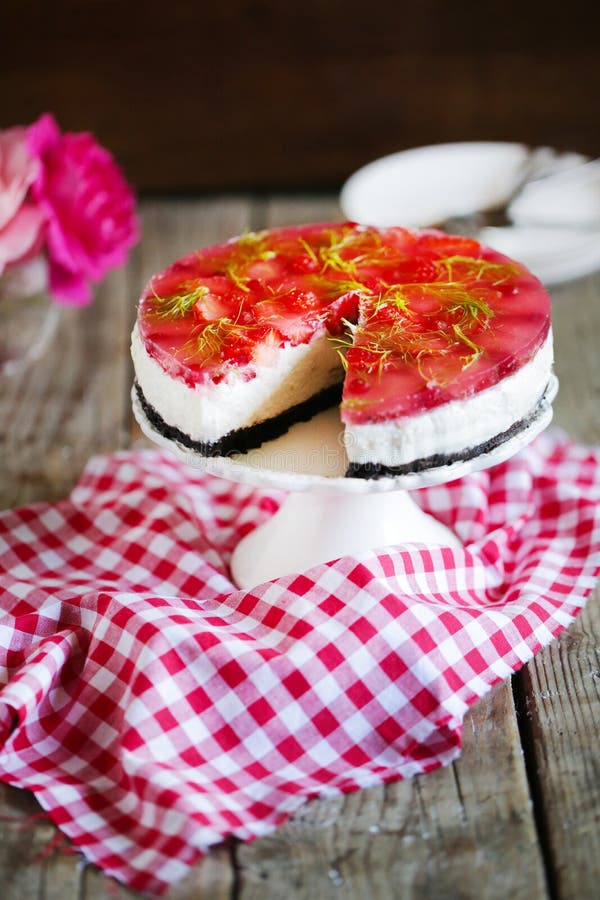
{"x":21,"y":222}
{"x":89,"y":207}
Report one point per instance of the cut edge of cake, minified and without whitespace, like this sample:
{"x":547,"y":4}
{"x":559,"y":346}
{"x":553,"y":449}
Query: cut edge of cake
{"x":248,"y":407}
{"x":457,"y":430}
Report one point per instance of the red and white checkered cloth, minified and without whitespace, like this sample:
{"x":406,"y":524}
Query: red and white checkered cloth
{"x":153,"y":709}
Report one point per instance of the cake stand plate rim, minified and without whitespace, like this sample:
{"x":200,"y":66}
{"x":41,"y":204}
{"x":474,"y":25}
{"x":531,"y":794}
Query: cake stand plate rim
{"x":235,"y":470}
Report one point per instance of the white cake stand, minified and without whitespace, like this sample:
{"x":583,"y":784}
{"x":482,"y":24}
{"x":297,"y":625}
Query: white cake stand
{"x":326,"y":515}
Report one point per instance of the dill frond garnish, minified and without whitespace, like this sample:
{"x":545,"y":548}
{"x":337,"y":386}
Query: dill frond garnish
{"x":308,"y":250}
{"x":471,"y":308}
{"x":343,"y":342}
{"x":469,"y":359}
{"x":240,"y":253}
{"x":175,"y":306}
{"x":253,"y":245}
{"x":332,"y":289}
{"x":420,"y":324}
{"x":475,"y":268}
{"x":363,"y":246}
{"x":208,"y":339}
{"x":232,"y":269}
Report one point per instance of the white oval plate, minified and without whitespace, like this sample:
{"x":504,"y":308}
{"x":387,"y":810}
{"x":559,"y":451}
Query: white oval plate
{"x":426,"y":185}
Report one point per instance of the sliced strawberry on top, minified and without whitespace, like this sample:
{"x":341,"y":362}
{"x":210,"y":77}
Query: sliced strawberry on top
{"x":433,"y":317}
{"x":342,"y":311}
{"x":303,"y":264}
{"x":444,"y":245}
{"x":265,"y":270}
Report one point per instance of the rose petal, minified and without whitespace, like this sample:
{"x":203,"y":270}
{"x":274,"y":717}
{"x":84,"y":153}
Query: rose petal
{"x":43,"y":135}
{"x":21,"y":238}
{"x":89,"y":206}
{"x":68,"y":288}
{"x":18,"y":170}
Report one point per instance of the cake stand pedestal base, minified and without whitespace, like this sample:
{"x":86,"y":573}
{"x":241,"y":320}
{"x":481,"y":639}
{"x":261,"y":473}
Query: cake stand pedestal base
{"x":309,"y":529}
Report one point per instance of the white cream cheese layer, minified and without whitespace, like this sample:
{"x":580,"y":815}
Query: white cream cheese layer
{"x":207,"y":412}
{"x":455,"y":426}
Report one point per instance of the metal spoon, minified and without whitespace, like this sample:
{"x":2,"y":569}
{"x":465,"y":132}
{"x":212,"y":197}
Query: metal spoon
{"x":471,"y":224}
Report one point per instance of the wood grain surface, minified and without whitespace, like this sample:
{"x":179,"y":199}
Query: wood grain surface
{"x":517,"y":816}
{"x":271,"y":94}
{"x":559,"y":691}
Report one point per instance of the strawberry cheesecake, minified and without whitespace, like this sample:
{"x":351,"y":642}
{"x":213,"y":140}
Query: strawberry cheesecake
{"x":437,"y":349}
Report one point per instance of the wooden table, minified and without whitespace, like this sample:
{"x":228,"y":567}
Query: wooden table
{"x":517,"y":816}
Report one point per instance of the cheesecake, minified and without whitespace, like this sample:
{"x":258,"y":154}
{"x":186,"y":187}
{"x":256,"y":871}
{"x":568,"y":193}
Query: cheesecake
{"x":434,"y":347}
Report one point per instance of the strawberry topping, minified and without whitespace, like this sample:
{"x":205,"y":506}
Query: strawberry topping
{"x":419,"y":318}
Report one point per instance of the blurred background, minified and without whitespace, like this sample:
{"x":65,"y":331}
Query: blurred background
{"x":260,"y":94}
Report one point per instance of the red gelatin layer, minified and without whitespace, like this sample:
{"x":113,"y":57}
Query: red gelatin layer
{"x":419,"y":318}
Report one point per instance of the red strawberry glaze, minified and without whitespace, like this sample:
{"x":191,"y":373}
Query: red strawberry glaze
{"x":427,"y":317}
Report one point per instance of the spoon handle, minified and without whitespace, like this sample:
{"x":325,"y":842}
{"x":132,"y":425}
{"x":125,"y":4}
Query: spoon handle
{"x":498,"y":215}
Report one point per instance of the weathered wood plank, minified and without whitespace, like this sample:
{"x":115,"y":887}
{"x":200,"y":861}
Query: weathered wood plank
{"x":20,"y":842}
{"x":36,"y":861}
{"x":560,"y":688}
{"x":62,"y":875}
{"x":71,"y":403}
{"x":576,"y":324}
{"x":290,"y":209}
{"x":442,"y":835}
{"x":94,"y":885}
{"x":562,"y":709}
{"x":212,"y":879}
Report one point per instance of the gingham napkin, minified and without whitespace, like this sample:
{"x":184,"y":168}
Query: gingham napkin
{"x":153,"y":709}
